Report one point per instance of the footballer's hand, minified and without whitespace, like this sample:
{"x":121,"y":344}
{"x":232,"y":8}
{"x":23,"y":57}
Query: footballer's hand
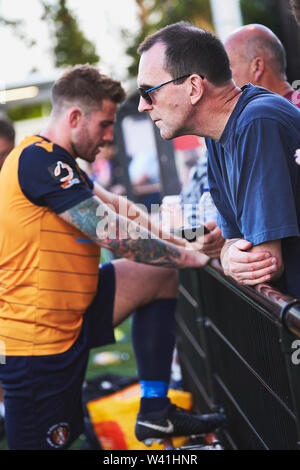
{"x":211,"y":243}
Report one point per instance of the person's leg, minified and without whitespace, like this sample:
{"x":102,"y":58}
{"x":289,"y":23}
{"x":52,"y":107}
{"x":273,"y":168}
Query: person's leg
{"x":150,"y":292}
{"x":43,"y":402}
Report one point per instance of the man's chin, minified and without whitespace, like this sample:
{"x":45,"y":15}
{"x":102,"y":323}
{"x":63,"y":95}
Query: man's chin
{"x":165,"y":133}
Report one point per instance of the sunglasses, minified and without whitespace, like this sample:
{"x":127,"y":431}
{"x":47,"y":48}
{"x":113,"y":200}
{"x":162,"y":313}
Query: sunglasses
{"x":145,"y":93}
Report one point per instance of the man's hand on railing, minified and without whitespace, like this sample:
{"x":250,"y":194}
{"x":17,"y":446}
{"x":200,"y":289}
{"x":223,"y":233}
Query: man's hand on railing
{"x":250,"y":265}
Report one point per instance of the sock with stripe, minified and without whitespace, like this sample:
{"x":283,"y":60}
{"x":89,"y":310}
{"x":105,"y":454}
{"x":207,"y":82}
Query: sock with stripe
{"x":153,"y":339}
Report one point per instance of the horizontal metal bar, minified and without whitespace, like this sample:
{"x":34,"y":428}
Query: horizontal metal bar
{"x":281,"y":308}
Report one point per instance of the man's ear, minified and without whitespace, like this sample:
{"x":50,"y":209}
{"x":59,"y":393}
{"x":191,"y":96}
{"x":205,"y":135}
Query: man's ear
{"x":74,"y":117}
{"x":257,"y":69}
{"x":197,"y":88}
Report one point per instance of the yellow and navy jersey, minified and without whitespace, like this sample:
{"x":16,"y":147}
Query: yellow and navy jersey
{"x":49,"y":176}
{"x":48,"y":269}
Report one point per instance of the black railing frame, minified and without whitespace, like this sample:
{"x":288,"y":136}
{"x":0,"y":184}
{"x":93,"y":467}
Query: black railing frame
{"x":281,"y":309}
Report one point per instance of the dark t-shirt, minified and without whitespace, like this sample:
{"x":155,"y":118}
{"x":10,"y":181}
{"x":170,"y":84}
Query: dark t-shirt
{"x":254,"y":179}
{"x":49,"y":176}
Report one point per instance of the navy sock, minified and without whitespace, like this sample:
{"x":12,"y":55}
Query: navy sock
{"x":153,"y":339}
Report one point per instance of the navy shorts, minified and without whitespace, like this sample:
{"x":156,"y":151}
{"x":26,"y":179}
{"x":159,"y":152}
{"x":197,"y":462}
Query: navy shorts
{"x":43,"y":394}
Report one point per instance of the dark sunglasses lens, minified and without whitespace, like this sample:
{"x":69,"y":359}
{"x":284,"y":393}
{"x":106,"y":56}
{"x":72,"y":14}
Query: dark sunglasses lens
{"x":145,"y":95}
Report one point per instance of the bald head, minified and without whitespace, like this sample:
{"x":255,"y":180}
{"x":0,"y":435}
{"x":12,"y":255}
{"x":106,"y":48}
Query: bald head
{"x":255,"y":54}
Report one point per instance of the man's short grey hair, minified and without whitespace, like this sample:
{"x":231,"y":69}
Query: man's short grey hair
{"x":269,"y":48}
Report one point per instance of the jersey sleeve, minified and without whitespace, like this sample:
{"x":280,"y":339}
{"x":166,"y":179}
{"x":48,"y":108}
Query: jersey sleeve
{"x":266,"y":187}
{"x":52,"y":178}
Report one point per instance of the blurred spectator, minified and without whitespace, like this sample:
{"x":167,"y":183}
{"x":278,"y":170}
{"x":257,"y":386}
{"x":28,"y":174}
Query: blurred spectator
{"x":257,"y":56}
{"x":145,"y":178}
{"x":7,"y":139}
{"x":104,"y":170}
{"x":193,"y":189}
{"x":102,"y":167}
{"x":295,"y":4}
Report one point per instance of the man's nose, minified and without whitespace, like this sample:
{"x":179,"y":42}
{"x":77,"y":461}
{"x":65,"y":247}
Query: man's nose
{"x":144,"y":106}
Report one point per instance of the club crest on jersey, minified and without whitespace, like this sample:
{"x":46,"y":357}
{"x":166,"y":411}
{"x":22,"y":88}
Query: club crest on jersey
{"x":63,"y":173}
{"x":58,"y":435}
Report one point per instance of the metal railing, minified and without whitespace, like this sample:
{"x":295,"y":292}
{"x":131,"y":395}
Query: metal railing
{"x":238,"y":351}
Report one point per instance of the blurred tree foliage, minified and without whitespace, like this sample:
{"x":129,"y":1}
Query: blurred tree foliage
{"x":261,"y":11}
{"x":71,"y":46}
{"x":155,"y":14}
{"x":17,"y":27}
{"x":28,"y":111}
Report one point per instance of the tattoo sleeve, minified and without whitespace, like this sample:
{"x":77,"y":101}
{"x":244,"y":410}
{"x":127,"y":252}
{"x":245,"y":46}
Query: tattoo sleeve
{"x":122,"y":236}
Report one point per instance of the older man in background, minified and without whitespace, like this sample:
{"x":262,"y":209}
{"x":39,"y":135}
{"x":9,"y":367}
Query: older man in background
{"x":257,"y":56}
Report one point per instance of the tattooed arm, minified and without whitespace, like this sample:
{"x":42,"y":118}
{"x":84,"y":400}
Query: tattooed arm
{"x":123,"y":206}
{"x":127,"y":239}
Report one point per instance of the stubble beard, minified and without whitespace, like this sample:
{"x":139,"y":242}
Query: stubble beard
{"x":84,"y":148}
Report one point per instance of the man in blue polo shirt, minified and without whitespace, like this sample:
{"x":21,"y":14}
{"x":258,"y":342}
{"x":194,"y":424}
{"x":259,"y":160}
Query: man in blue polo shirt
{"x":186,"y":87}
{"x":255,"y":183}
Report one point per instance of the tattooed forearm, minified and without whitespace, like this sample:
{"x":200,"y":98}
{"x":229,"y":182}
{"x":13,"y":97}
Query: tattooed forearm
{"x":120,"y":235}
{"x":84,"y":217}
{"x":149,"y":251}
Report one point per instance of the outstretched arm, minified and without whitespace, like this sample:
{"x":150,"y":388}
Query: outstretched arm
{"x":123,"y":206}
{"x":127,"y":239}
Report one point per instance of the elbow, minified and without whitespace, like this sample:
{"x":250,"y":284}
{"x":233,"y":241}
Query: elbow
{"x":279,"y":270}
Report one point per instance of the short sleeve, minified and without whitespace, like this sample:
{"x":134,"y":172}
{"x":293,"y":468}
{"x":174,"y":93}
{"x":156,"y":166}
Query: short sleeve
{"x":266,"y":189}
{"x":226,"y":216}
{"x":52,"y":178}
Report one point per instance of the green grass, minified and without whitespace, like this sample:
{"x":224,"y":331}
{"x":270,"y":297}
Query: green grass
{"x":3,"y":445}
{"x":125,"y":368}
